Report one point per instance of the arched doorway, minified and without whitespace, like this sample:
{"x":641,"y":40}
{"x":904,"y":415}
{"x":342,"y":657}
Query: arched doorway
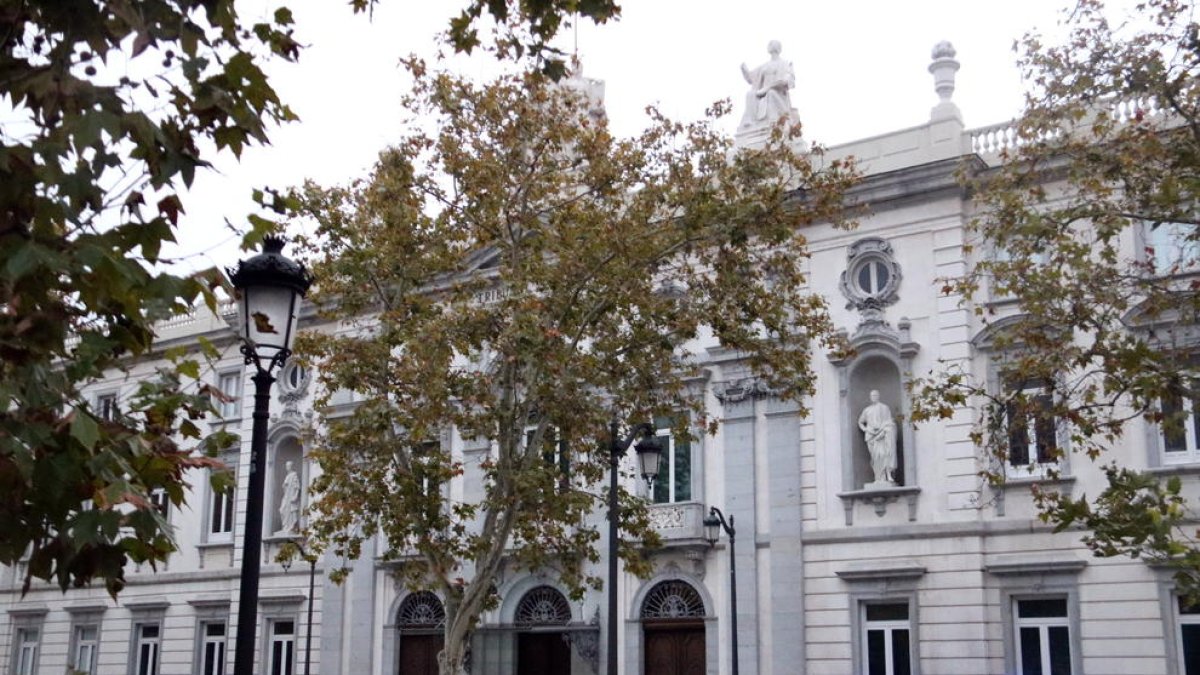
{"x":421,"y":621}
{"x":542,"y":650}
{"x":673,"y":630}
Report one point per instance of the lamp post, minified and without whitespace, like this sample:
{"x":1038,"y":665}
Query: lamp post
{"x":714,"y":522}
{"x":649,"y":453}
{"x":270,"y":287}
{"x":312,"y":577}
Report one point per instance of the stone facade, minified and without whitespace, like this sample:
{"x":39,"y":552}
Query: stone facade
{"x":832,"y":570}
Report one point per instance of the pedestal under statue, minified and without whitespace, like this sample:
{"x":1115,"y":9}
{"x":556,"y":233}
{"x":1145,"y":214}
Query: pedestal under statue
{"x":289,"y":501}
{"x":879,"y":431}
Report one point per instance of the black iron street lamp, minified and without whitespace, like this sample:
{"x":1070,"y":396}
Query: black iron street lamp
{"x":312,"y":577}
{"x":270,"y":288}
{"x":714,"y":522}
{"x":649,"y":453}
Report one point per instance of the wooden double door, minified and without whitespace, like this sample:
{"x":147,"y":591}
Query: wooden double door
{"x":543,"y":654}
{"x":674,"y":647}
{"x":419,"y":653}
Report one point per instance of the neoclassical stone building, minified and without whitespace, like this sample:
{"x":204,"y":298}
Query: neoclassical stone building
{"x":922,"y":568}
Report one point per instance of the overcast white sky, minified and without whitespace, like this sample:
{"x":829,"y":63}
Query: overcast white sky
{"x":861,"y":70}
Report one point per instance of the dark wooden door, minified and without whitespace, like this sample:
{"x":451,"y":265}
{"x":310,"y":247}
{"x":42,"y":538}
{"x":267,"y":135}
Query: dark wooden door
{"x":675,"y":648}
{"x":418,"y":654}
{"x":543,"y":654}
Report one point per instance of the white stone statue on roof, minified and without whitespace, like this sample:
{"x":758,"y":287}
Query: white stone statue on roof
{"x":770,"y":84}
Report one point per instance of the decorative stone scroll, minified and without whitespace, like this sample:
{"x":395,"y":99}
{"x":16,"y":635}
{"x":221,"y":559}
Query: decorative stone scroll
{"x":586,"y":644}
{"x":746,"y":388}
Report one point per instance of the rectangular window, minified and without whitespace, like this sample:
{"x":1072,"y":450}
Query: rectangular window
{"x":1032,"y":431}
{"x":158,"y":497}
{"x":85,"y":643}
{"x":1043,"y":637}
{"x":212,"y":648}
{"x":886,"y":638}
{"x":230,"y":384}
{"x":1180,"y":427}
{"x":220,"y":515}
{"x":147,"y":640}
{"x":1008,"y":268}
{"x":554,"y":454}
{"x":282,"y":654}
{"x":221,"y":505}
{"x":26,"y":652}
{"x":106,"y":407}
{"x":1188,"y":620}
{"x":425,"y":463}
{"x":674,"y":482}
{"x":1171,"y":248}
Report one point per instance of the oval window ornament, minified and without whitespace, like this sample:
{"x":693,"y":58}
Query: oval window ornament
{"x":872,"y":275}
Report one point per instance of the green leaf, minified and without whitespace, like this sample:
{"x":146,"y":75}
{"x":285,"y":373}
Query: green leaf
{"x":189,"y":368}
{"x":84,"y":429}
{"x":21,"y":261}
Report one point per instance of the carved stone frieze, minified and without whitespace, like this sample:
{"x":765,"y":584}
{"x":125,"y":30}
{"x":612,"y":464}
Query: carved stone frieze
{"x":742,"y":389}
{"x":666,"y":517}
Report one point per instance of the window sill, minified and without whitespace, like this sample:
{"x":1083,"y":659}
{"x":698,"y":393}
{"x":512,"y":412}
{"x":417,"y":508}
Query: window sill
{"x":1016,"y":564}
{"x":1190,"y":270}
{"x":1003,"y":301}
{"x":215,"y":544}
{"x":1184,"y":468}
{"x":1027,"y":480}
{"x":226,"y":421}
{"x":882,"y":570}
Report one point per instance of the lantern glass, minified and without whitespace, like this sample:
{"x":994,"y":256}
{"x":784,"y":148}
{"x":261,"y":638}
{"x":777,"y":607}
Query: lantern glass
{"x":649,"y":454}
{"x":270,"y":317}
{"x":712,"y":529}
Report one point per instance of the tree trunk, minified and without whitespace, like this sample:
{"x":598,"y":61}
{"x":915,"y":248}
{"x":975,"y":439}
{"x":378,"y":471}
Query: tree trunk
{"x":454,"y":650}
{"x":450,"y":661}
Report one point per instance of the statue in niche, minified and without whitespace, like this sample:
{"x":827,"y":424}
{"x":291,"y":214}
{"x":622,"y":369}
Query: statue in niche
{"x":879,"y":431}
{"x":289,"y":501}
{"x":768,"y":98}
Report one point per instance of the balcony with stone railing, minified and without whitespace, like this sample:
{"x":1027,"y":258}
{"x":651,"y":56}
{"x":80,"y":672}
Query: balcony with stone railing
{"x":680,"y":524}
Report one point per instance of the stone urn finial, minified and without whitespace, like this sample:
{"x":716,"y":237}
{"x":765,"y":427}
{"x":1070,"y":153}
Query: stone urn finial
{"x":943,"y":69}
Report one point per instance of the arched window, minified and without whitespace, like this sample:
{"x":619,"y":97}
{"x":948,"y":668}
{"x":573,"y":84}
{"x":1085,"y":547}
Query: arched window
{"x":421,"y":610}
{"x":672,"y":600}
{"x":673,"y":635}
{"x":543,"y":606}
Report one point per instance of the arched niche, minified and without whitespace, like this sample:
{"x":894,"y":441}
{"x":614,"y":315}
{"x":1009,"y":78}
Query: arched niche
{"x":285,"y":446}
{"x":880,"y":359}
{"x":876,"y":372}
